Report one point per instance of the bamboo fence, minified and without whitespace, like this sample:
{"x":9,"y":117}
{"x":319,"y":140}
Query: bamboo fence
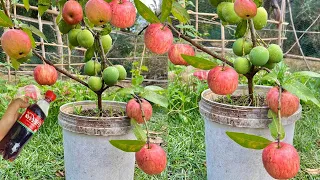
{"x":200,"y":17}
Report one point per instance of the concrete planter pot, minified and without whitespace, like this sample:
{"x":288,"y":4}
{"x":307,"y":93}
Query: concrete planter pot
{"x":87,"y":151}
{"x":227,"y":160}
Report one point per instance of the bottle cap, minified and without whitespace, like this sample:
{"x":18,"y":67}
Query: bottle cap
{"x":50,"y":95}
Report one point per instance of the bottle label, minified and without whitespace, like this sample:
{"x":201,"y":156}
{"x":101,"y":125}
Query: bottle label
{"x":31,"y":121}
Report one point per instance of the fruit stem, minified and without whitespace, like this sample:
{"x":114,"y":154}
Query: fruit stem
{"x":200,"y":47}
{"x":253,"y":34}
{"x":144,"y":119}
{"x":164,"y":25}
{"x":279,"y":113}
{"x":261,"y":39}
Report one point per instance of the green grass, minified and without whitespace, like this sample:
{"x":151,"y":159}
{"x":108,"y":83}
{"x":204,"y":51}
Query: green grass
{"x":182,"y":130}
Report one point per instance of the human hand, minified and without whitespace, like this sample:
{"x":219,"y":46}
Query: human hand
{"x":11,"y":115}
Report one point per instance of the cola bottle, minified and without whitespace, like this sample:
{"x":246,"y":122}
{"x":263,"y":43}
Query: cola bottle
{"x":28,"y":124}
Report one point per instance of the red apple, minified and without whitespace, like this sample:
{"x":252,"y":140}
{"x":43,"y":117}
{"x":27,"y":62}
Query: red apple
{"x":98,"y":12}
{"x":289,"y":102}
{"x":246,"y":9}
{"x":281,"y":163}
{"x":133,"y":110}
{"x":123,"y":13}
{"x":158,"y":38}
{"x":223,"y":80}
{"x":201,"y":74}
{"x":151,"y":161}
{"x":176,"y":50}
{"x":16,"y":43}
{"x":45,"y":74}
{"x":72,"y":12}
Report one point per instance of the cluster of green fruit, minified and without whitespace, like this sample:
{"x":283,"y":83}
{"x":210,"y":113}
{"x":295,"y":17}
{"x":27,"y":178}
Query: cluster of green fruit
{"x":257,"y":56}
{"x":228,"y":15}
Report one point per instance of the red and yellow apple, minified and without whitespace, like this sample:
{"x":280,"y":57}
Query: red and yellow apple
{"x":45,"y":74}
{"x":123,"y":13}
{"x":72,"y":12}
{"x":175,"y":52}
{"x":98,"y":12}
{"x":223,"y":80}
{"x":133,"y":110}
{"x":158,"y":38}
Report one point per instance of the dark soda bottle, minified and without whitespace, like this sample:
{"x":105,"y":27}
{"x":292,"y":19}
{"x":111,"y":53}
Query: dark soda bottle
{"x":28,"y":124}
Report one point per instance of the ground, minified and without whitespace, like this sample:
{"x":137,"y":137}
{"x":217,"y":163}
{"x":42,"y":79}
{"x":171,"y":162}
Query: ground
{"x":181,"y":127}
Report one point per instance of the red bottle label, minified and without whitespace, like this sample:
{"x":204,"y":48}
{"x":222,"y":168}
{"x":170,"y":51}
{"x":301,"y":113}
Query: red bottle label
{"x":31,"y":121}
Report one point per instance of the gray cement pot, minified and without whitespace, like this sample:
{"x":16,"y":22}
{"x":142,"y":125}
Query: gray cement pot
{"x":227,"y":160}
{"x":88,"y":154}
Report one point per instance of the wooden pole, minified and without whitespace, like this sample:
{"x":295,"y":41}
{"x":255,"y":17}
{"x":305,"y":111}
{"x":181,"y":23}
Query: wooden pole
{"x":222,"y":41}
{"x":7,"y":57}
{"x":59,"y":40}
{"x":41,"y":40}
{"x":282,"y":19}
{"x":197,"y":15}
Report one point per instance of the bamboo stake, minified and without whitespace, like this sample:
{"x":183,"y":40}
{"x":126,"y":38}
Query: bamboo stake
{"x":280,"y":25}
{"x":41,"y":40}
{"x":197,"y":15}
{"x":222,"y":41}
{"x":59,"y":39}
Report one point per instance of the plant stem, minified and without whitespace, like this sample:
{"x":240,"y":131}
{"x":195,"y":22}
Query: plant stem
{"x":200,"y":47}
{"x":100,"y":103}
{"x":103,"y":58}
{"x":60,"y":70}
{"x":279,"y":114}
{"x":4,"y":8}
{"x":250,"y":88}
{"x":253,"y":34}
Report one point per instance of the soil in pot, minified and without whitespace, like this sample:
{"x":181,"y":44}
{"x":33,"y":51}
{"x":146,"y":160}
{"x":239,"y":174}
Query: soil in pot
{"x":110,"y":112}
{"x":244,"y":100}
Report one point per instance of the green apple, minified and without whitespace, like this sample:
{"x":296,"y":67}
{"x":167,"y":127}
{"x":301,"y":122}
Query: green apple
{"x":241,"y":47}
{"x":242,"y":65}
{"x":92,"y":68}
{"x":259,"y":56}
{"x":64,"y":27}
{"x":122,"y":72}
{"x":229,"y":14}
{"x":260,"y":20}
{"x":270,"y":65}
{"x":72,"y":37}
{"x":110,"y":75}
{"x":275,"y":53}
{"x":85,"y":38}
{"x":95,"y":83}
{"x":106,"y":43}
{"x":89,"y":54}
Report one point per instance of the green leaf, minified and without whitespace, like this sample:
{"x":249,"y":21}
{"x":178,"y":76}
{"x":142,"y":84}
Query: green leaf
{"x":136,"y":81}
{"x":37,"y":32}
{"x":258,"y":2}
{"x":275,"y":127}
{"x":199,"y":62}
{"x":153,"y":88}
{"x":106,"y":30}
{"x":241,"y":29}
{"x":15,"y":64}
{"x":248,"y":140}
{"x":138,"y":131}
{"x":88,"y":23}
{"x":145,"y":12}
{"x":59,"y":17}
{"x":155,"y":98}
{"x":165,"y":9}
{"x":125,"y":91}
{"x":271,"y":77}
{"x":42,"y":9}
{"x":300,"y":90}
{"x":306,"y":74}
{"x":26,"y":4}
{"x":28,"y":31}
{"x":5,"y":21}
{"x":144,"y":68}
{"x":128,"y":145}
{"x":180,"y":13}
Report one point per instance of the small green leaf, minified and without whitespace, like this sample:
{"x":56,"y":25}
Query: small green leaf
{"x":248,"y":140}
{"x":180,"y":13}
{"x":155,"y":98}
{"x":271,"y":77}
{"x":88,"y":23}
{"x":5,"y":21}
{"x":306,"y":74}
{"x":153,"y":88}
{"x":37,"y":32}
{"x":300,"y":90}
{"x":59,"y":17}
{"x":145,"y":12}
{"x":42,"y":9}
{"x":125,"y":91}
{"x":136,"y":81}
{"x":128,"y":145}
{"x":138,"y":131}
{"x":26,"y":4}
{"x":15,"y":64}
{"x":165,"y":9}
{"x":275,"y":127}
{"x":144,"y":68}
{"x":258,"y":2}
{"x":106,"y":30}
{"x":241,"y":29}
{"x":199,"y":62}
{"x":28,"y":31}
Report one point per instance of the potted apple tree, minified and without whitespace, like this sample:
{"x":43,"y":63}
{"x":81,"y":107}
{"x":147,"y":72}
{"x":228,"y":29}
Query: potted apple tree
{"x":248,"y":114}
{"x":99,"y":137}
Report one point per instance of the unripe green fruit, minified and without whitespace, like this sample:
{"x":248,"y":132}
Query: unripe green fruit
{"x":122,"y":72}
{"x":275,"y":53}
{"x":110,"y":75}
{"x":215,"y":3}
{"x":85,"y":38}
{"x":241,"y":47}
{"x":25,"y":59}
{"x":72,"y":37}
{"x":260,"y":20}
{"x":229,"y":14}
{"x":106,"y":43}
{"x":89,"y":54}
{"x":95,"y":83}
{"x":242,"y":65}
{"x":219,"y":10}
{"x":270,"y":65}
{"x":259,"y":56}
{"x":64,"y":27}
{"x":92,"y":68}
